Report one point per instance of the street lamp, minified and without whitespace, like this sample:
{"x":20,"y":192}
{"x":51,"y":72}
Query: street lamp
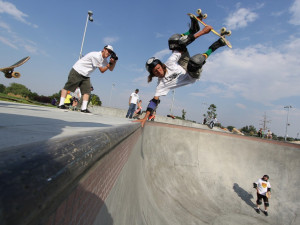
{"x":171,"y":109}
{"x":112,"y":86}
{"x":287,"y":120}
{"x":89,"y":18}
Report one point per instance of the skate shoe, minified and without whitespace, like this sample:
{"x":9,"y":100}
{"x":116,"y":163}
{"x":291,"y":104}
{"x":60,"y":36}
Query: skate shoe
{"x":257,"y":210}
{"x":194,"y":26}
{"x":266,"y":213}
{"x":62,"y":107}
{"x":219,"y":43}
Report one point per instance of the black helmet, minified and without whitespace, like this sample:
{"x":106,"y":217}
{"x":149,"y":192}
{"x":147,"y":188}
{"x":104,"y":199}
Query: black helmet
{"x":266,"y":176}
{"x":151,"y":63}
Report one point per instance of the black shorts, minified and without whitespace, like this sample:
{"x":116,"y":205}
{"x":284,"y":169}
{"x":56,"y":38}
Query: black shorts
{"x":76,"y":80}
{"x":260,"y":197}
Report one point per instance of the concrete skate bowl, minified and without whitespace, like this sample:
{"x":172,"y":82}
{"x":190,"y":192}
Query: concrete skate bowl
{"x":178,"y":175}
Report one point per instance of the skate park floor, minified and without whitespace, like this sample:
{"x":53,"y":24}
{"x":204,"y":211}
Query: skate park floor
{"x":175,"y":174}
{"x":180,"y":175}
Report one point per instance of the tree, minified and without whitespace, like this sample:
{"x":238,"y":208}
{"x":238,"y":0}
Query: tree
{"x":211,"y":111}
{"x":18,"y":89}
{"x":95,"y":100}
{"x":183,"y":114}
{"x":230,"y":128}
{"x":249,"y":130}
{"x":2,"y":88}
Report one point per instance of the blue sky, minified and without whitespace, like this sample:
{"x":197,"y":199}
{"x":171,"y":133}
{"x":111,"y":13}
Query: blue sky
{"x":258,"y":76}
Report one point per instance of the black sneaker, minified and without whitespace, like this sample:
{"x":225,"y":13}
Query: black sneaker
{"x":62,"y":107}
{"x":85,"y":111}
{"x":257,"y":210}
{"x":219,"y":43}
{"x":266,"y":213}
{"x":194,"y":27}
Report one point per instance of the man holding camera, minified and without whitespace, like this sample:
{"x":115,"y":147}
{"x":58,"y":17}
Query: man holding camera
{"x":79,"y":75}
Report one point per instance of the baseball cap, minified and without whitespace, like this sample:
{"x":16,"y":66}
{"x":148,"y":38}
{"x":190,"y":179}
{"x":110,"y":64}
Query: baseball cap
{"x":109,"y":47}
{"x":137,"y":90}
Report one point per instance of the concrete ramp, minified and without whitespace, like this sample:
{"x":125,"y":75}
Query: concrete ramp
{"x":178,"y":175}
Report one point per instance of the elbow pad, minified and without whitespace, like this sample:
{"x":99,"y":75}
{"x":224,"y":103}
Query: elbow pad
{"x":152,"y":105}
{"x":269,"y":189}
{"x":254,"y":185}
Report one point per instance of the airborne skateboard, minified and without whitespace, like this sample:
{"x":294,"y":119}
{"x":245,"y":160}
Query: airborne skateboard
{"x":9,"y":71}
{"x":223,"y":31}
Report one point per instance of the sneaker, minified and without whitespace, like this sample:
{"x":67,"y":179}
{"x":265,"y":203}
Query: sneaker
{"x":85,"y":111}
{"x":62,"y":107}
{"x":194,"y":27}
{"x":266,"y":213}
{"x":257,"y":210}
{"x":219,"y":43}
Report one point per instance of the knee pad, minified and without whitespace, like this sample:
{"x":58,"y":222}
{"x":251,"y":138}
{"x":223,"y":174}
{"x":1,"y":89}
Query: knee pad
{"x":195,"y":64}
{"x":258,"y":202}
{"x":174,"y":43}
{"x":267,"y":204}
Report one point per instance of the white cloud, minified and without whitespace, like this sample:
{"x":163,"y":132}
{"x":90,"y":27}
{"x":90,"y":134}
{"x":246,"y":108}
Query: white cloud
{"x":11,"y":9}
{"x":241,"y":106}
{"x":8,"y":42}
{"x":240,"y":18}
{"x":161,"y":54}
{"x":110,"y":40}
{"x":256,"y":73}
{"x":295,"y":11}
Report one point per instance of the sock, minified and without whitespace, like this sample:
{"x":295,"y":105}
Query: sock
{"x":186,"y":33}
{"x":62,"y":101}
{"x":208,"y":52}
{"x":84,"y":105}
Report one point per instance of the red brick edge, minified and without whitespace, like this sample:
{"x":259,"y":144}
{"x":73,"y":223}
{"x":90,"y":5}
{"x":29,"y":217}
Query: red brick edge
{"x":84,"y":203}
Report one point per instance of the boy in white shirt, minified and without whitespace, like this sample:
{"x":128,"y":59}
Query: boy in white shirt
{"x":263,"y":188}
{"x":79,"y":75}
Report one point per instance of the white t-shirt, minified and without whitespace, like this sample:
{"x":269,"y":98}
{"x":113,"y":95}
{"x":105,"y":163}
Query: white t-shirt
{"x":175,"y":76}
{"x":134,"y":98}
{"x":91,"y":61}
{"x":263,"y":186}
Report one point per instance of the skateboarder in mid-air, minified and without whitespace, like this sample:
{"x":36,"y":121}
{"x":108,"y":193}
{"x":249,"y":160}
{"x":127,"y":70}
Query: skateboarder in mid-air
{"x":263,"y":188}
{"x":180,"y":69}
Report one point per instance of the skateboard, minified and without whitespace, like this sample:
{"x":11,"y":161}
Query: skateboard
{"x":223,"y":31}
{"x":9,"y":71}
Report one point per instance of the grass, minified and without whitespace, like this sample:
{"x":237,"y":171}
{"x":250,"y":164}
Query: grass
{"x":20,"y":99}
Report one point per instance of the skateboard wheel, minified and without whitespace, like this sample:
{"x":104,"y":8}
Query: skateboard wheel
{"x":229,"y":33}
{"x":223,"y":29}
{"x":199,"y":11}
{"x":205,"y":16}
{"x":16,"y":74}
{"x":8,"y":75}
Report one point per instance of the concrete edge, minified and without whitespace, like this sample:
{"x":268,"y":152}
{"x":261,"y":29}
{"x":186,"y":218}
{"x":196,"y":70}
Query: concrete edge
{"x":35,"y":177}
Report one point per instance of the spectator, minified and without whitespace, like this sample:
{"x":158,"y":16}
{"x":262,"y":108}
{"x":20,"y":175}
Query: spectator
{"x":133,"y":100}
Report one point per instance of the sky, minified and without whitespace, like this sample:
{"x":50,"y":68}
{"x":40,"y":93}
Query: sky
{"x":257,"y":78}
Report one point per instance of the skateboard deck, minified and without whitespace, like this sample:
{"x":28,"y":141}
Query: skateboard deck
{"x":9,"y":71}
{"x":223,"y":31}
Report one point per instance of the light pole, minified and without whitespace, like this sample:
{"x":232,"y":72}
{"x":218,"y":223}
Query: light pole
{"x":204,"y":104}
{"x":89,"y":18}
{"x":287,"y":120}
{"x":112,"y":86}
{"x":171,"y":109}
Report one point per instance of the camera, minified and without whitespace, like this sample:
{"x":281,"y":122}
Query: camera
{"x":114,"y":56}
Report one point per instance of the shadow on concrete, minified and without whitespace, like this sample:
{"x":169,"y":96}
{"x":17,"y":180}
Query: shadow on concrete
{"x":22,"y":129}
{"x":243,"y":194}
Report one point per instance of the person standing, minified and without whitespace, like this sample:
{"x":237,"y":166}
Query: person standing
{"x":79,"y":75}
{"x":133,"y":100}
{"x":263,"y":188}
